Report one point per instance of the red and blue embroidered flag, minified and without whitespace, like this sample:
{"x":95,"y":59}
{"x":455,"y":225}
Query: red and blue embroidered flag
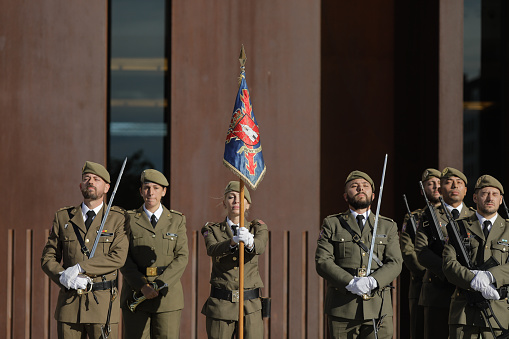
{"x":243,"y":150}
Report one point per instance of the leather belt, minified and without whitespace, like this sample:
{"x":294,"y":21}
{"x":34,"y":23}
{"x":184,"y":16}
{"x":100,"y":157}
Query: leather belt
{"x":358,"y":272}
{"x":153,"y":271}
{"x":104,"y":285}
{"x":233,"y":296}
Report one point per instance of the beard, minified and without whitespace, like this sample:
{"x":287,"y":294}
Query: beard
{"x":357,"y":203}
{"x":92,"y":195}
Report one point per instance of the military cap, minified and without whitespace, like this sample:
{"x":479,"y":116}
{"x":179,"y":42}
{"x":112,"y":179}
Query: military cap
{"x":360,"y":175}
{"x":452,"y":172}
{"x":488,"y":181}
{"x":97,"y":169}
{"x":430,"y":173}
{"x":234,"y":186}
{"x":152,"y":175}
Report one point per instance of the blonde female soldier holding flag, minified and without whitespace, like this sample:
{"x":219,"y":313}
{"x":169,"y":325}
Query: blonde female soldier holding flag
{"x":222,"y":241}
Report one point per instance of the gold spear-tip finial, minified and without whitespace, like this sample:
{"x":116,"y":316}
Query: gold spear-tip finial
{"x":242,"y":57}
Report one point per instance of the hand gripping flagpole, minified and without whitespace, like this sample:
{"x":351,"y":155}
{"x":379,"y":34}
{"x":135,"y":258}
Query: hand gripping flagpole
{"x":240,"y":333}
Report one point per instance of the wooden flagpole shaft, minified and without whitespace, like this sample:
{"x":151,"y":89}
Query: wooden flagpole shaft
{"x":240,"y":333}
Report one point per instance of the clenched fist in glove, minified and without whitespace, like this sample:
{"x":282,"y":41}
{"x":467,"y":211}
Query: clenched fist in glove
{"x":482,"y":280}
{"x":70,"y":274}
{"x":490,"y":293}
{"x":362,"y":285}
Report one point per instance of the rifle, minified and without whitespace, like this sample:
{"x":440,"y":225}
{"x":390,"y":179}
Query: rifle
{"x":474,"y":298}
{"x":411,"y":220}
{"x":436,"y":231}
{"x":505,"y":208}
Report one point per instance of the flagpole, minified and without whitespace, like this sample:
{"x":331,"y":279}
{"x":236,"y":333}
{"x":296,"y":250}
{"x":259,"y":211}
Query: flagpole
{"x":240,"y":333}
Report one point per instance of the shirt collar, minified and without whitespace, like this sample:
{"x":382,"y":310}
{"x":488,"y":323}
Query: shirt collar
{"x":85,"y":209}
{"x":483,"y":219}
{"x":366,"y":215}
{"x":157,"y":213}
{"x":450,"y":208}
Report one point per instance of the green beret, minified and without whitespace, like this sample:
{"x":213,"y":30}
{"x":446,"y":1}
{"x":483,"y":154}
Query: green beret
{"x":97,"y":169}
{"x":234,"y":186}
{"x":430,"y":173}
{"x":152,"y":175}
{"x":360,"y":175}
{"x":452,"y":172}
{"x":488,"y":181}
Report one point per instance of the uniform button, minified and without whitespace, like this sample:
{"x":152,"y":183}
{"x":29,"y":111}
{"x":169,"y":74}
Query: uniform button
{"x":86,"y":240}
{"x":363,"y":254}
{"x":153,"y":235}
{"x":486,"y":247}
{"x":236,"y":279}
{"x":66,"y":238}
{"x":342,"y":239}
{"x":152,"y":248}
{"x":172,"y":238}
{"x":380,"y":242}
{"x":152,"y":261}
{"x":235,"y":268}
{"x":107,"y":240}
{"x":234,"y":258}
{"x":429,"y":279}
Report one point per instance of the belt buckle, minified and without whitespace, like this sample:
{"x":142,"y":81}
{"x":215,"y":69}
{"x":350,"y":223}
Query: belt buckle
{"x":235,"y":296}
{"x":151,"y":271}
{"x":361,"y":272}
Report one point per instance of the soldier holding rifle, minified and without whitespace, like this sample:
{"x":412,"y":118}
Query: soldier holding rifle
{"x":356,"y":299}
{"x":158,"y":256}
{"x":436,"y":290}
{"x":431,"y":183}
{"x":485,"y":235}
{"x":71,"y":261}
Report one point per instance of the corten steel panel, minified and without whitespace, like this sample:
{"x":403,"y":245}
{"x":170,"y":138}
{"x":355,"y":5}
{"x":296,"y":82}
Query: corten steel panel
{"x":53,"y":108}
{"x":357,"y":100}
{"x":282,"y":43}
{"x":450,"y":58}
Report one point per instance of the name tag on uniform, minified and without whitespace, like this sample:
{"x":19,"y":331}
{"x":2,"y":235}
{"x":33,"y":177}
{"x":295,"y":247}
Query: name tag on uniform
{"x":106,"y":234}
{"x":171,"y":234}
{"x":381,"y":235}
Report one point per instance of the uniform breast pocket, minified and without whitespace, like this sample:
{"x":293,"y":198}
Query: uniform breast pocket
{"x":69,"y":247}
{"x":499,"y":251}
{"x":343,"y":246}
{"x":171,"y":240}
{"x":105,"y":243}
{"x":381,"y":243}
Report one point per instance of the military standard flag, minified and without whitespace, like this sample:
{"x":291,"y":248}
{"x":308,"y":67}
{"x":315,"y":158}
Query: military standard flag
{"x":243,"y":150}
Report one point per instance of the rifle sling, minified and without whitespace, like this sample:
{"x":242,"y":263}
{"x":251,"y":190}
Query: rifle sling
{"x":357,"y":240}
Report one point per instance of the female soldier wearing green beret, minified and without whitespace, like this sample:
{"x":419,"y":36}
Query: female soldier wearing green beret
{"x":222,"y":240}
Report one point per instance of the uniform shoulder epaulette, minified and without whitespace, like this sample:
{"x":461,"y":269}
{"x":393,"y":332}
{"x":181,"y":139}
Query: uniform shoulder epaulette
{"x":472,"y":209}
{"x":258,"y":221}
{"x":65,"y":208}
{"x":336,"y":215}
{"x":176,"y":212}
{"x":385,"y":218}
{"x":132,"y":211}
{"x":210,"y":224}
{"x":117,"y":209}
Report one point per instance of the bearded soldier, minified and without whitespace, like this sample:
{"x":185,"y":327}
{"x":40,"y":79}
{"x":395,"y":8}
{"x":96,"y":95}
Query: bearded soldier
{"x":65,"y":259}
{"x":342,"y":257}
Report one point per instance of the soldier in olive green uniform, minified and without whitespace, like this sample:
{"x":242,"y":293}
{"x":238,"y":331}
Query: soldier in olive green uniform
{"x":431,"y":183}
{"x":436,"y":291}
{"x":158,"y":253}
{"x":69,"y":267}
{"x":342,"y":262}
{"x":487,"y":234}
{"x":222,"y":308}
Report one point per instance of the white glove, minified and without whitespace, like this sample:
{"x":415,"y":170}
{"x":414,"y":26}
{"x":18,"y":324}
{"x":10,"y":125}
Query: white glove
{"x":80,"y":282}
{"x":481,"y":280}
{"x":490,"y":293}
{"x":361,"y":286}
{"x":70,"y":274}
{"x":250,"y":241}
{"x":244,"y":235}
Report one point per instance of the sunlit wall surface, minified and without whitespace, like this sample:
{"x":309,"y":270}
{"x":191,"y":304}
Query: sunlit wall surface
{"x":138,"y":126}
{"x":485,"y":88}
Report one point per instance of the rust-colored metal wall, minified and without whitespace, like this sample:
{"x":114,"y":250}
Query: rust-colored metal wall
{"x":53,"y":108}
{"x":282,"y":42}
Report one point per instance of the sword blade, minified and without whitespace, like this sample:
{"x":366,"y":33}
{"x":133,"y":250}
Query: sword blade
{"x":110,"y":203}
{"x":376,"y":219}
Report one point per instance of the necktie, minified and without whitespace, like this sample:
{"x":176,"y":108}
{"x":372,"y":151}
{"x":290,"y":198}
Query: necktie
{"x":153,"y":220}
{"x":455,"y":213}
{"x":360,"y":218}
{"x":234,"y":229}
{"x":486,"y":228}
{"x":90,"y":218}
